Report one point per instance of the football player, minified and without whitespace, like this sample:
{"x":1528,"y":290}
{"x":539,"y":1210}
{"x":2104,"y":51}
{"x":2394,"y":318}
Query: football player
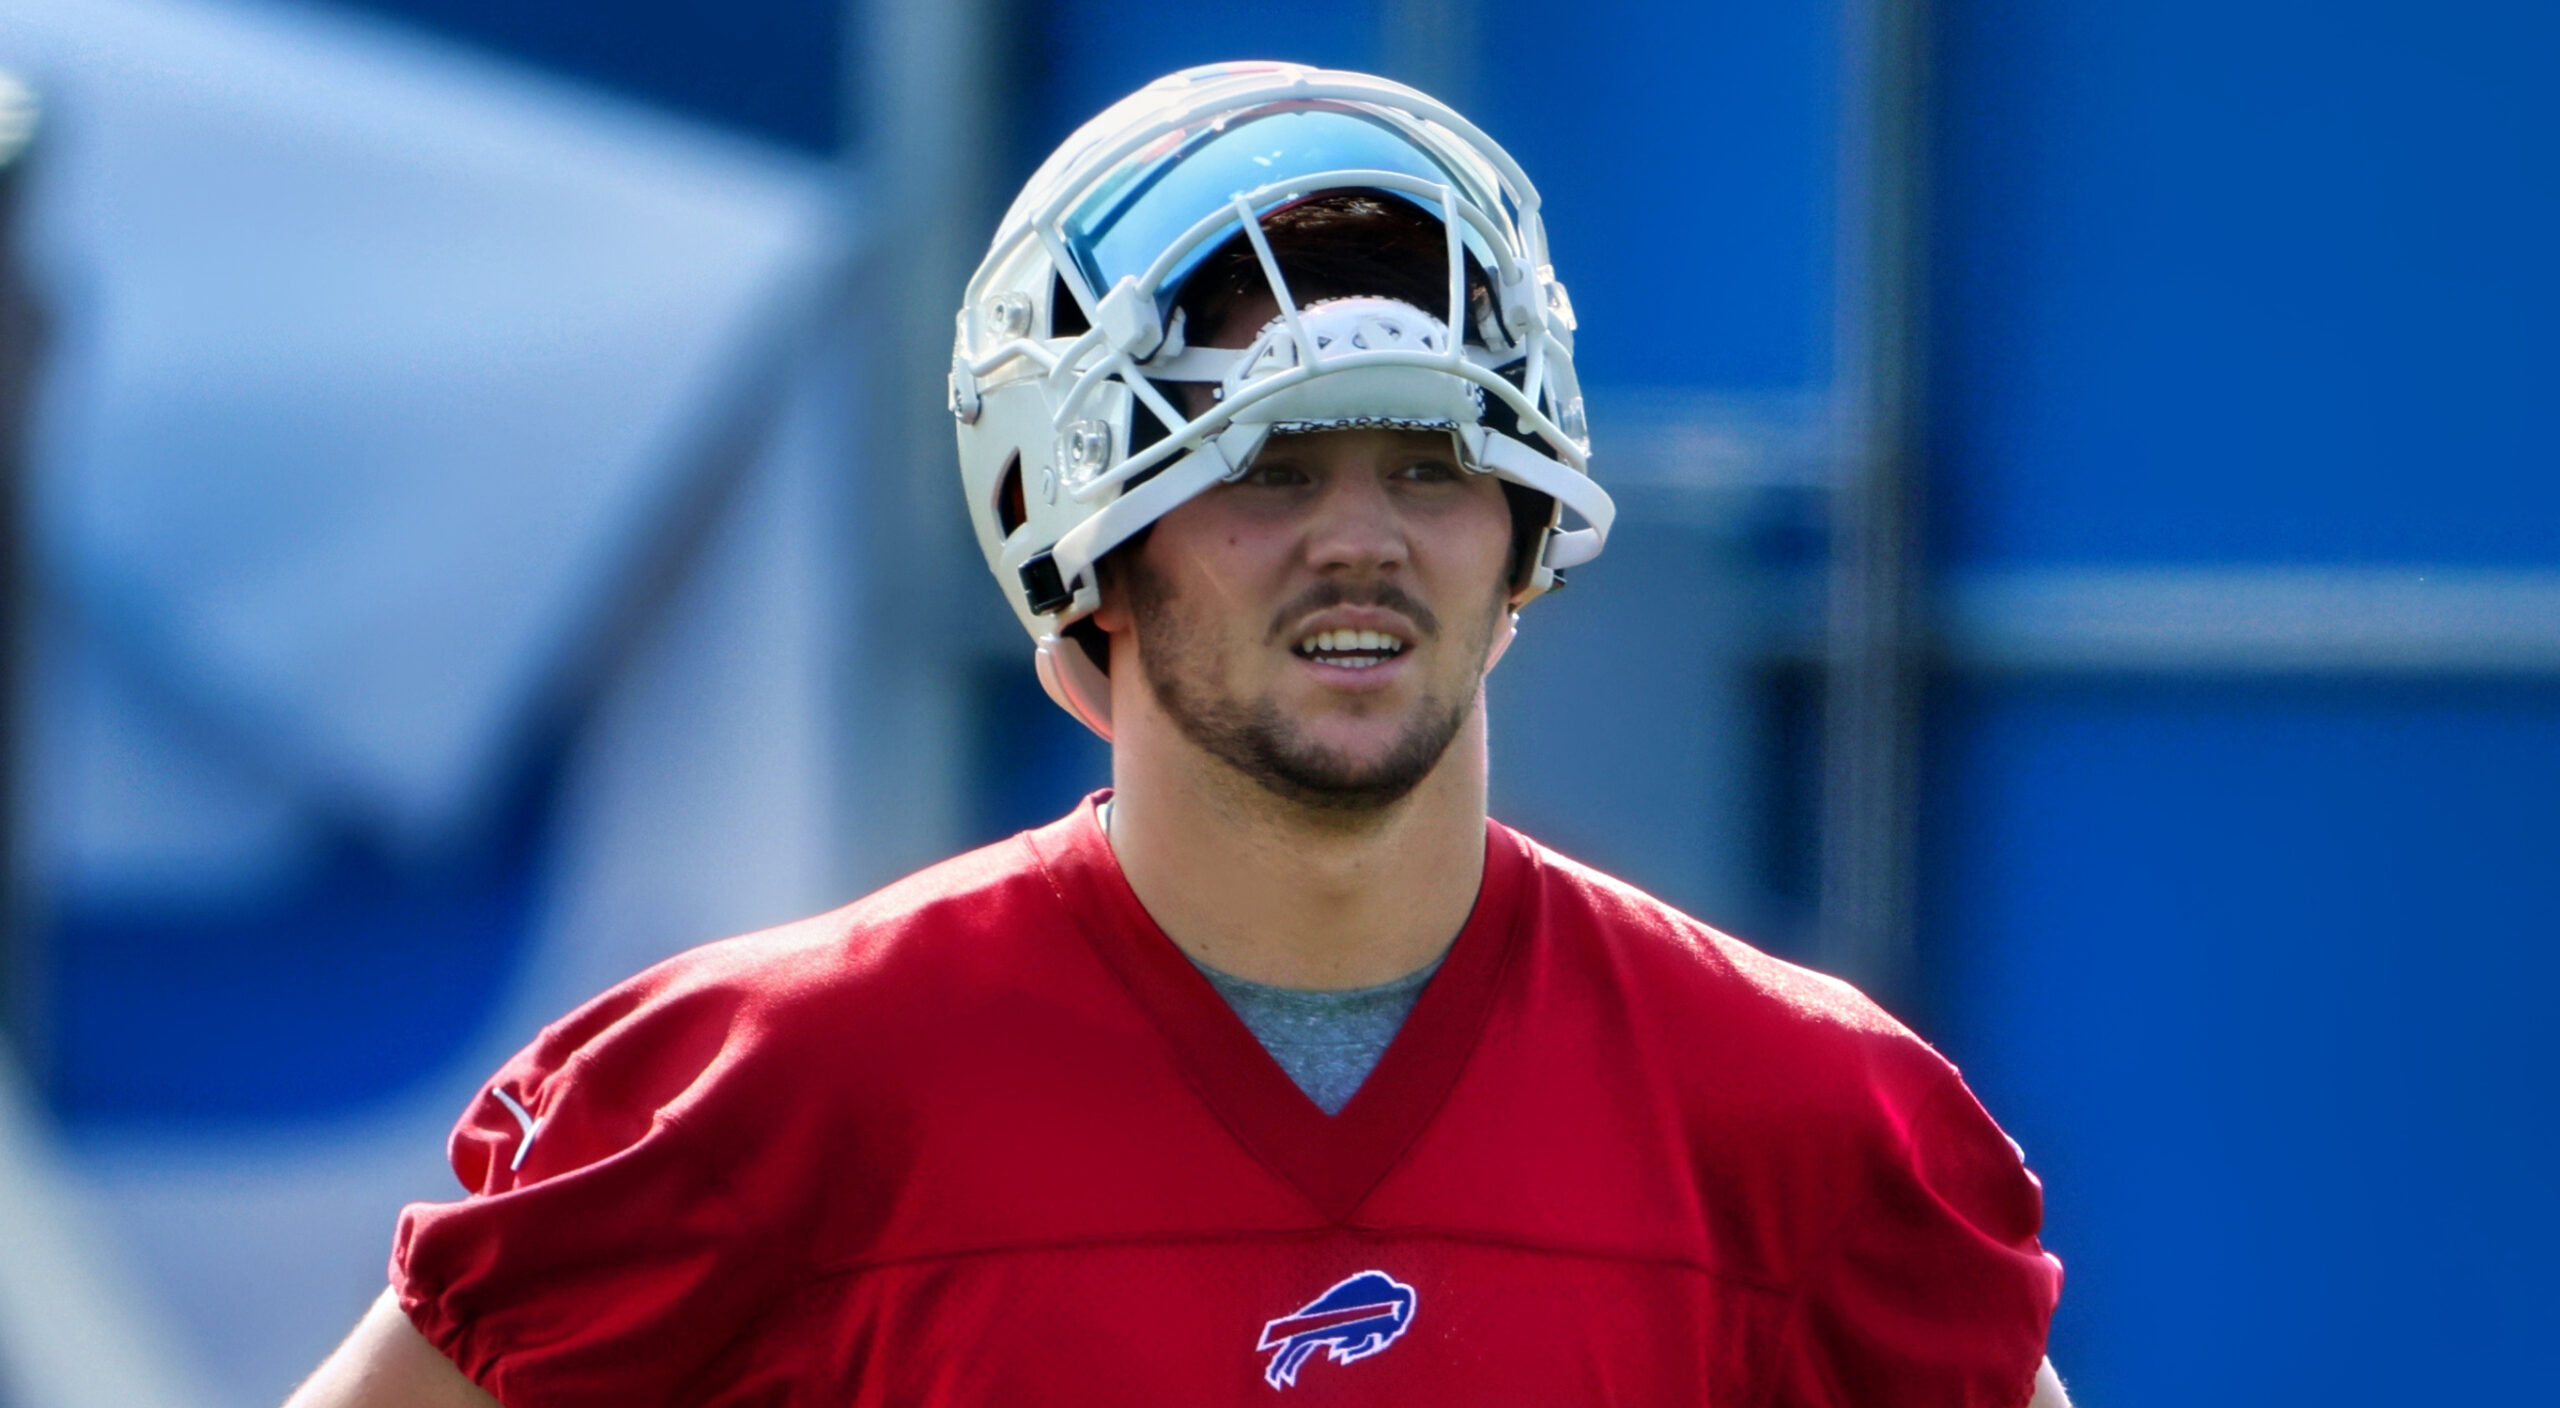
{"x":1277,"y":1068}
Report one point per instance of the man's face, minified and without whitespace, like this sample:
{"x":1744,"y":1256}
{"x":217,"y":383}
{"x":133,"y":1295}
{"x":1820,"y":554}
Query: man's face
{"x":1322,"y":624}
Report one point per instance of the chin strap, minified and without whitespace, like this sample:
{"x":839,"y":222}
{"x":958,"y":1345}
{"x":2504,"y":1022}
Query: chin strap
{"x":1503,"y":635}
{"x":1568,"y":486}
{"x":1074,"y":682}
{"x":1080,"y":547}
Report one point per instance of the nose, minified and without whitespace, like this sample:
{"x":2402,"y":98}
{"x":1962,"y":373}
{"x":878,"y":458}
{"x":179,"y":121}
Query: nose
{"x":1356,"y":528}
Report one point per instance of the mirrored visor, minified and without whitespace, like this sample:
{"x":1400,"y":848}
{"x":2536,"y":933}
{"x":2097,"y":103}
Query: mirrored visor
{"x":1156,"y":195}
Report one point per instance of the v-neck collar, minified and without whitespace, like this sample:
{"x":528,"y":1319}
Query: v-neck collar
{"x":1334,"y":1160}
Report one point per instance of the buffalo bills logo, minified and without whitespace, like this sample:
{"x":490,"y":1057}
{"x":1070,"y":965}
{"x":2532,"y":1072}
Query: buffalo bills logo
{"x":1358,"y":1317}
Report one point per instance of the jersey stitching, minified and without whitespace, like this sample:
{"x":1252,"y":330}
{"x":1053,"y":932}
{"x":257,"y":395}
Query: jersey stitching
{"x":1819,"y":1263}
{"x":720,"y":1180}
{"x":864,"y":1265}
{"x":1790,"y":1347}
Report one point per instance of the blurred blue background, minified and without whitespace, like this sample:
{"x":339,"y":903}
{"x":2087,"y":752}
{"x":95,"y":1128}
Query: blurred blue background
{"x":485,"y":523}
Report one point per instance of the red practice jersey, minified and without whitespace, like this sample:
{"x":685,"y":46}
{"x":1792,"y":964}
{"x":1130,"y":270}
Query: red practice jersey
{"x":987,"y":1138}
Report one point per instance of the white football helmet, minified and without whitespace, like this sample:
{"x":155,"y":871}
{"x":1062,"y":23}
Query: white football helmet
{"x":1047,"y":395}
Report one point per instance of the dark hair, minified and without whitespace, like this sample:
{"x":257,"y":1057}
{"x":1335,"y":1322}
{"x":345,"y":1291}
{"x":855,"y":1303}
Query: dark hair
{"x":1343,"y":244}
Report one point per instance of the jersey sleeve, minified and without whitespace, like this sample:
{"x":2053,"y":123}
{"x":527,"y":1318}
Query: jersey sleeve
{"x":1934,"y":1291}
{"x":627,"y":1214}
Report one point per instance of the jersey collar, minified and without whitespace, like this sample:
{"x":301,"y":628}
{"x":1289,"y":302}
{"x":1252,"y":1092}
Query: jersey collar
{"x":1334,"y":1160}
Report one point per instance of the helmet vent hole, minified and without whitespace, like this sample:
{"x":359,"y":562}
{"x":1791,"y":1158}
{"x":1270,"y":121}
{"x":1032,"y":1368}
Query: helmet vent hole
{"x":1066,"y":316}
{"x":1010,"y":512}
{"x":1145,"y":428}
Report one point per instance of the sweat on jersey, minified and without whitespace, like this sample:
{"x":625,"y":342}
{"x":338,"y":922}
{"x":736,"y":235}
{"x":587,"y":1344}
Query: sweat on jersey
{"x":987,"y":1138}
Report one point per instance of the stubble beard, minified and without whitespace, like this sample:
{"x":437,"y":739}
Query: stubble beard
{"x":1255,"y":738}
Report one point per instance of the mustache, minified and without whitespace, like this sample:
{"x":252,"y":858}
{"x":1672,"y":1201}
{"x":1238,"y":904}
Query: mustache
{"x":1384,"y":595}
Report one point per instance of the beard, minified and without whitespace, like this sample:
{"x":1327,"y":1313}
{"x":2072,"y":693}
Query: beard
{"x":1255,"y":738}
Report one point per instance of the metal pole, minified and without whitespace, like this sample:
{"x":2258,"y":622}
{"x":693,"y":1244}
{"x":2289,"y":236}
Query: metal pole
{"x":1873,"y":636}
{"x":1431,"y":44}
{"x":22,"y":335}
{"x":925,"y":88}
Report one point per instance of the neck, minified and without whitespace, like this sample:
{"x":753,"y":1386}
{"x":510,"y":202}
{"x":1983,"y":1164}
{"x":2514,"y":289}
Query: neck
{"x":1268,"y":889}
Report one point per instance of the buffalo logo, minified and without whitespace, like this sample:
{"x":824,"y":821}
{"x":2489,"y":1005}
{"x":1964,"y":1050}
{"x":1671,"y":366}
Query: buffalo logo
{"x":1359,"y":1316}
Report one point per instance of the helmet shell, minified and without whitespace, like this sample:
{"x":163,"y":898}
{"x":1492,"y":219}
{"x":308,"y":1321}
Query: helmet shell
{"x":1069,"y":334}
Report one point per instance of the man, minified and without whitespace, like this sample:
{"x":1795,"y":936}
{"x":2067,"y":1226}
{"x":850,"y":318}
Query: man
{"x":1278,"y":1068}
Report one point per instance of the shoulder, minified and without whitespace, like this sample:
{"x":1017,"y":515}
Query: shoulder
{"x":1677,"y":966}
{"x":730,"y":1031}
{"x":1841,"y":1145}
{"x":1741,"y":1046}
{"x":683,"y":1139}
{"x":982,"y":895}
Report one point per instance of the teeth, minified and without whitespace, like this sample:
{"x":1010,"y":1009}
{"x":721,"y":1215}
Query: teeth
{"x":1357,"y":649}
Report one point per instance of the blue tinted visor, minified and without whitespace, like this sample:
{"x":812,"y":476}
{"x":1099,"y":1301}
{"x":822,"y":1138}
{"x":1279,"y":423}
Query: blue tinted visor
{"x":1136,"y":212}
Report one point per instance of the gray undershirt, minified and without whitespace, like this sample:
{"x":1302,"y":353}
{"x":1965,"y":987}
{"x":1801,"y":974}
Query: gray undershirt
{"x":1328,"y":1042}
